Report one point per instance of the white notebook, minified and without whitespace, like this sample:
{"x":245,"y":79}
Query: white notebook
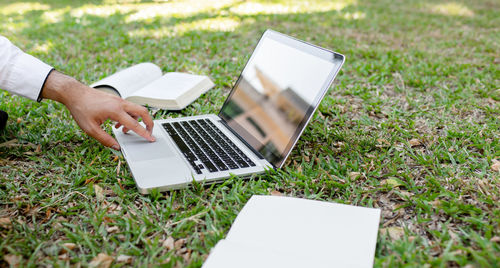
{"x":274,"y":231}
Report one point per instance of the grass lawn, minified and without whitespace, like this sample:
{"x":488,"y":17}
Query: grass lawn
{"x":412,"y":126}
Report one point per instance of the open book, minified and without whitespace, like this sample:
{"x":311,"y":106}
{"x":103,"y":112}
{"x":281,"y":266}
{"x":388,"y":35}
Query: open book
{"x":275,"y":231}
{"x":144,"y":84}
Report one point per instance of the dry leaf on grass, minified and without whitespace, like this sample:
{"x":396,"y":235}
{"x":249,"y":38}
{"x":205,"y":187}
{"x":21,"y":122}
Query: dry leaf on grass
{"x":406,"y":193}
{"x":415,"y":142}
{"x":495,"y":166}
{"x":8,"y":143}
{"x":13,"y":260}
{"x":391,"y":182}
{"x":435,"y":203}
{"x":180,"y":243}
{"x":169,"y":243}
{"x":453,"y":235}
{"x":495,"y":239}
{"x":459,"y":252}
{"x":383,"y":143}
{"x":182,"y":251}
{"x":276,"y":193}
{"x":107,"y":219}
{"x":113,"y":229}
{"x":101,"y":261}
{"x":354,"y":175}
{"x":125,"y":259}
{"x":436,"y":250}
{"x":395,"y":233}
{"x":68,"y":246}
{"x":299,"y":169}
{"x":99,"y":193}
{"x":5,"y":223}
{"x":187,"y":256}
{"x":64,"y":257}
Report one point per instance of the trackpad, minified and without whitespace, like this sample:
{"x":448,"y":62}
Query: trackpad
{"x":139,"y":149}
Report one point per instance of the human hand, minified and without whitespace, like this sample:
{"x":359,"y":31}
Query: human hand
{"x":91,"y":108}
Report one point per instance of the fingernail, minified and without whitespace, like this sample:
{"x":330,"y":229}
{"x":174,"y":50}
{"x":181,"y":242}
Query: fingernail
{"x":115,"y":147}
{"x":152,"y":138}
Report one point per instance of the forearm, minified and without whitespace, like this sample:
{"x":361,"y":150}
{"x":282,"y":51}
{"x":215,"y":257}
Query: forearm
{"x":62,"y":88}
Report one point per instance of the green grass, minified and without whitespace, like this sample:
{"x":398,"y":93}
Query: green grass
{"x":424,"y":70}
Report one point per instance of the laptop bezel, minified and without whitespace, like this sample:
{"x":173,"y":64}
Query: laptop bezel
{"x":305,"y":47}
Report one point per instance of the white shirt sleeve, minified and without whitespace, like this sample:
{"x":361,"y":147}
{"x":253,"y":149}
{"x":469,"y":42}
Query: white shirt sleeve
{"x":20,"y":73}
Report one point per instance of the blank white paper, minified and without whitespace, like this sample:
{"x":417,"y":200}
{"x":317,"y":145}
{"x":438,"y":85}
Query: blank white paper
{"x":293,"y":231}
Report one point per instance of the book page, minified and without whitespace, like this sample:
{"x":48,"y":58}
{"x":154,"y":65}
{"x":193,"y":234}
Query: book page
{"x":171,"y":86}
{"x":129,"y":80}
{"x":345,"y":235}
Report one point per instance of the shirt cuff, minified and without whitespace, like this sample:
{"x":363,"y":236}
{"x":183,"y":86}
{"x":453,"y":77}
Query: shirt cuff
{"x":39,"y":99}
{"x":28,"y":76}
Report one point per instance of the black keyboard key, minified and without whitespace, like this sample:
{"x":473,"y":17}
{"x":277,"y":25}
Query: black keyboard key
{"x":209,"y":166}
{"x":233,"y":165}
{"x":182,"y":146}
{"x":195,"y":167}
{"x":242,"y":164}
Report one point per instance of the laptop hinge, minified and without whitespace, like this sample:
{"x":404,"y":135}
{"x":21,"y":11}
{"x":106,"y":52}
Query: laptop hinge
{"x":241,"y":139}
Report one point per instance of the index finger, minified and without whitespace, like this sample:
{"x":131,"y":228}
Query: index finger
{"x":142,"y":112}
{"x":127,"y":121}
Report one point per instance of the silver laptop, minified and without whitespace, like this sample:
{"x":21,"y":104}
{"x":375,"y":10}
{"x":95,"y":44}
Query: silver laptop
{"x":269,"y":106}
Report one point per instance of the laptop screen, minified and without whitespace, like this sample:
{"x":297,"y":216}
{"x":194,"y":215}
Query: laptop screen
{"x":280,"y":87}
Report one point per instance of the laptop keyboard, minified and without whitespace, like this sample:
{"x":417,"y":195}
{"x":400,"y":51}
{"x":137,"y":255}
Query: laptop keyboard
{"x":205,"y":146}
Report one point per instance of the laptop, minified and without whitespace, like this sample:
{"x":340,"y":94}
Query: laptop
{"x":264,"y":115}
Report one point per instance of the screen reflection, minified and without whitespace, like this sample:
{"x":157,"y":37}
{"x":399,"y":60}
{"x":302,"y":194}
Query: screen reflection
{"x":274,"y":97}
